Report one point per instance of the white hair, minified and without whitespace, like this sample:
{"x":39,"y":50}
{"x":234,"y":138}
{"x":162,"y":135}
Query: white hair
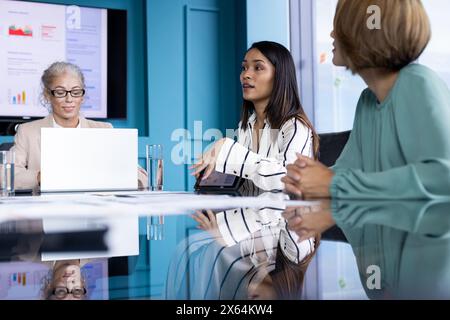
{"x":53,"y":71}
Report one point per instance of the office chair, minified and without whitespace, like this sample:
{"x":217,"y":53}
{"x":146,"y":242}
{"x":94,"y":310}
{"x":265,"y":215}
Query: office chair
{"x":330,"y":148}
{"x":9,"y":127}
{"x":5,"y":146}
{"x":331,"y":145}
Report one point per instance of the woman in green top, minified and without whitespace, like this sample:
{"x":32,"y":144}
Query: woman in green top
{"x":399,"y":147}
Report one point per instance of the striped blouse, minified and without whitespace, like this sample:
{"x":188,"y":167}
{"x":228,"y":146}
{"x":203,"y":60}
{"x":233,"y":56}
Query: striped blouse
{"x":238,"y":226}
{"x":205,"y":268}
{"x":277,"y":148}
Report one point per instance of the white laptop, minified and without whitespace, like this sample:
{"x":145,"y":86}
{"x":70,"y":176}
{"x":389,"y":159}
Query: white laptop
{"x":82,"y":159}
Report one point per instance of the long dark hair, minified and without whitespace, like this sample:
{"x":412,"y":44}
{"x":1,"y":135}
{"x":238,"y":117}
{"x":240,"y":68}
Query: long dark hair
{"x":284,"y":103}
{"x":288,"y":277}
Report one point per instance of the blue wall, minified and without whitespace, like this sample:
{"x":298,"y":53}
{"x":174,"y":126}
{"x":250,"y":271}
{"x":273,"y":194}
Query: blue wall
{"x":166,"y":94}
{"x":194,"y":54}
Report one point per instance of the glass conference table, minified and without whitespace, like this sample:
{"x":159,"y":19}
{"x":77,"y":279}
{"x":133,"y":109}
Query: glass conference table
{"x":145,"y":245}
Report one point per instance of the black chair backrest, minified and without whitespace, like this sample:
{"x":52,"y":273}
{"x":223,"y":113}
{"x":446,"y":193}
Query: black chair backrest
{"x":331,"y":145}
{"x":330,"y":148}
{"x":5,"y":146}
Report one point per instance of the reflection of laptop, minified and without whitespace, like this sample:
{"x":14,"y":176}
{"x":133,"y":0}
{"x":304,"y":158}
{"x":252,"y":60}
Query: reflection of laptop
{"x":88,"y":159}
{"x":122,"y":237}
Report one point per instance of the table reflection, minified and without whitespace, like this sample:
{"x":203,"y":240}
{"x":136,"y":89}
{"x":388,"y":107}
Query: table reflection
{"x":401,"y":248}
{"x":257,"y":245}
{"x":242,"y":253}
{"x":62,"y":259}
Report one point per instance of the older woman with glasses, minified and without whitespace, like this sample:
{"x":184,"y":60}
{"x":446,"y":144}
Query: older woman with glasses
{"x":63,"y":91}
{"x":66,"y":281}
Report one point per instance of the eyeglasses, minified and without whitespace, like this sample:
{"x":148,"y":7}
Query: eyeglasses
{"x":61,"y":93}
{"x":62,"y":292}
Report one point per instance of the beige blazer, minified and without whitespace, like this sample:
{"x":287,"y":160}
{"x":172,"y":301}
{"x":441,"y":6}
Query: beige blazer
{"x":27,"y":147}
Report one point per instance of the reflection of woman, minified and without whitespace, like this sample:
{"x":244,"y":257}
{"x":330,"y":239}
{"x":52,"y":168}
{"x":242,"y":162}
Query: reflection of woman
{"x":63,"y":90}
{"x":245,"y":254}
{"x":285,"y":281}
{"x":273,"y":125}
{"x":409,"y":243}
{"x":66,"y":282}
{"x":399,"y":147}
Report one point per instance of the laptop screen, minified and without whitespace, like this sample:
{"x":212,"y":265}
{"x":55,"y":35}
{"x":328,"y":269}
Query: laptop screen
{"x":88,"y":159}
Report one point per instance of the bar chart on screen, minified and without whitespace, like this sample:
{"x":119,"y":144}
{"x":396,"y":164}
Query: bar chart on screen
{"x":18,"y":97}
{"x":21,"y":280}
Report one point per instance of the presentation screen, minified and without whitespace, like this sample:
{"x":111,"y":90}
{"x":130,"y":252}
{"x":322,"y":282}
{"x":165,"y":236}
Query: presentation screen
{"x":34,"y":35}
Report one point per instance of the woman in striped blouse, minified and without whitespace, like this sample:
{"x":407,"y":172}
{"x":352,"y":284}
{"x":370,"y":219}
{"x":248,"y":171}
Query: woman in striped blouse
{"x":243,"y":254}
{"x":274,"y":127}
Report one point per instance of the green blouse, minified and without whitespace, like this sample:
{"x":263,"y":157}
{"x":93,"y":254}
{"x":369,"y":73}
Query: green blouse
{"x":399,"y":149}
